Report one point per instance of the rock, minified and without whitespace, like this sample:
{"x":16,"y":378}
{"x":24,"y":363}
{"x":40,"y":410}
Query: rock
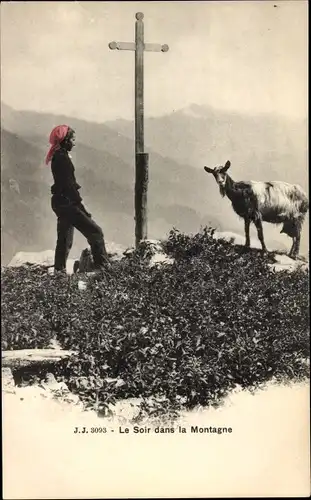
{"x":115,"y":250}
{"x":86,"y":263}
{"x":234,"y":238}
{"x":72,"y":399}
{"x":8,"y":384}
{"x":76,"y":266}
{"x":285,"y":263}
{"x":151,"y":247}
{"x":54,"y":344}
{"x":229,"y":236}
{"x":82,"y":285}
{"x":118,"y":382}
{"x":129,"y":251}
{"x":50,"y":379}
{"x":55,"y":387}
{"x":126,"y":410}
{"x":160,"y":258}
{"x":44,"y":258}
{"x":26,"y":357}
{"x":151,"y":250}
{"x":59,"y":391}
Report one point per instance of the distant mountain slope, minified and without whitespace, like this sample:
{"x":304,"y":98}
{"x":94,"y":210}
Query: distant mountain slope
{"x":105,"y":168}
{"x":180,"y":193}
{"x":259,"y":147}
{"x":24,"y":190}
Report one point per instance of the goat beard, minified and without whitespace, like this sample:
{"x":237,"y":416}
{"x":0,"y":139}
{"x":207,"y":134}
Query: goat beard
{"x":222,"y":191}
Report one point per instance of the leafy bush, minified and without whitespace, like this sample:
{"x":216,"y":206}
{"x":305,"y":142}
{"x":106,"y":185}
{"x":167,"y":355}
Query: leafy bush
{"x":185,"y":333}
{"x":24,"y":306}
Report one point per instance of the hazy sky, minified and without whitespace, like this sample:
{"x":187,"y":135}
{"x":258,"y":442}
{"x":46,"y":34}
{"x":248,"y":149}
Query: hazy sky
{"x":245,"y":56}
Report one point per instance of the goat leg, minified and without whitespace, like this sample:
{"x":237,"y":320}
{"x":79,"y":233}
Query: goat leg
{"x":258,"y":224}
{"x":246,"y":227}
{"x":297,"y":245}
{"x":295,"y":248}
{"x":294,"y":251}
{"x":291,"y":252}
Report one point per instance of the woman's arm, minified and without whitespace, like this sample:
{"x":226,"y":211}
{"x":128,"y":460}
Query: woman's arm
{"x":64,"y":177}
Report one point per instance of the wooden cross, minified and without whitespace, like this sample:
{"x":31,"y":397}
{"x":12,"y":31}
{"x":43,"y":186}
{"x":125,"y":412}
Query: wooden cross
{"x":141,"y":158}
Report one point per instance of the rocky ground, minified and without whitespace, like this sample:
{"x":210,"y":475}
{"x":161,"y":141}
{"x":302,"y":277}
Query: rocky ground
{"x":46,"y":258}
{"x":267,"y":453}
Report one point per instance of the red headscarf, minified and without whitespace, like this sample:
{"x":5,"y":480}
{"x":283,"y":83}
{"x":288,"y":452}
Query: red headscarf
{"x":57,"y":135}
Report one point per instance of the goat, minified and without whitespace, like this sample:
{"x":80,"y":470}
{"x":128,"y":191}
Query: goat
{"x":274,"y":202}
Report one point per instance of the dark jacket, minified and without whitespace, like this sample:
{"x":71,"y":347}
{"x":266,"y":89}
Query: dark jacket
{"x":65,"y":185}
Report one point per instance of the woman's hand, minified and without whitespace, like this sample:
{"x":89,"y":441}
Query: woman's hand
{"x":85,"y":211}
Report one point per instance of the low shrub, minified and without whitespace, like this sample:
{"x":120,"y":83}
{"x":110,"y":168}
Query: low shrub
{"x":185,"y":333}
{"x":24,"y":305}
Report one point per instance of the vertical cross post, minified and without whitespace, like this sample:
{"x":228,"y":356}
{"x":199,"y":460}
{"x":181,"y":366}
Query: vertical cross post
{"x":141,"y":158}
{"x":139,"y":83}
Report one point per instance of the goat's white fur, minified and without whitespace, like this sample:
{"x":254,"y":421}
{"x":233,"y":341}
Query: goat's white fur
{"x":279,"y":199}
{"x":274,"y":201}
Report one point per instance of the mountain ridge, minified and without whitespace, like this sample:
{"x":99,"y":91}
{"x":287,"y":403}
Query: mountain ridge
{"x":214,"y":136}
{"x":104,"y":159}
{"x":107,"y":184}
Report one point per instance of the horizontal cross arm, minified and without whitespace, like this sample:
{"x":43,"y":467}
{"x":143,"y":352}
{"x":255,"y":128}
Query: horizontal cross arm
{"x":149,"y":47}
{"x":122,"y":45}
{"x":156,"y":47}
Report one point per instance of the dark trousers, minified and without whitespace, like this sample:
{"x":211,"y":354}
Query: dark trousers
{"x":72,"y":216}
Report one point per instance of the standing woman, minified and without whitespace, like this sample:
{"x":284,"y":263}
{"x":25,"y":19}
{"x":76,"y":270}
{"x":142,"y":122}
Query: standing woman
{"x":67,"y":203}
